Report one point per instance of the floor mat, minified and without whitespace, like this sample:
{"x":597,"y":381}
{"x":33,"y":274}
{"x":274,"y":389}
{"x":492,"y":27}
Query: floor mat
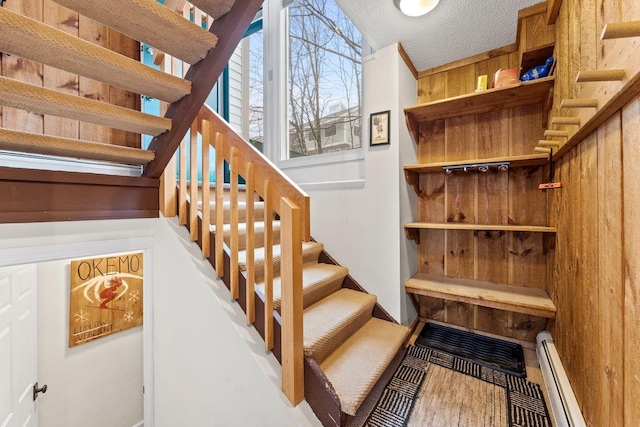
{"x":419,"y":394}
{"x":497,"y":354}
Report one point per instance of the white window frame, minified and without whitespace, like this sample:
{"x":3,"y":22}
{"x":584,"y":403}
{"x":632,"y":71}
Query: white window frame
{"x":316,"y":171}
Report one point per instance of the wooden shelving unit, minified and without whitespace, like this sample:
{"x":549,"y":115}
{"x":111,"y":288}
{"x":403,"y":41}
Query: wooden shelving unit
{"x":514,"y":162}
{"x":519,"y":299}
{"x":479,"y":227}
{"x":521,"y":94}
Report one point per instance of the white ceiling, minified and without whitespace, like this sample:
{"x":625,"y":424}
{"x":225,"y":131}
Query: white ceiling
{"x":455,"y":29}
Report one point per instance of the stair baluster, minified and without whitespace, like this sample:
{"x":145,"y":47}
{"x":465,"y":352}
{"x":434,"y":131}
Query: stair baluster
{"x":281,"y":197}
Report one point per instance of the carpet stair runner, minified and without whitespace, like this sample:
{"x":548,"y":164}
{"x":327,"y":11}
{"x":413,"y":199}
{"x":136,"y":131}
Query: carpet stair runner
{"x":352,"y":347}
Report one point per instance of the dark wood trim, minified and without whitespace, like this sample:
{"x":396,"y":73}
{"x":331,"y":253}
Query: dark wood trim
{"x":320,"y":395}
{"x":32,"y":195}
{"x":230,"y":29}
{"x":350,"y":283}
{"x":60,"y":177}
{"x":405,"y":57}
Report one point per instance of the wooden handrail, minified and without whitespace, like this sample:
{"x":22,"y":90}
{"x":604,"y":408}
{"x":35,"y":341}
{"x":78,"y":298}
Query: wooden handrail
{"x":281,"y":197}
{"x":264,"y":169}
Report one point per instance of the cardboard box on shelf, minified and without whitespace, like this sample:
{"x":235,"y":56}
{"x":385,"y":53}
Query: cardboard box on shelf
{"x":505,"y":77}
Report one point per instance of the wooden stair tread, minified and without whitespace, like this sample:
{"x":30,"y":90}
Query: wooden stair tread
{"x":41,"y":100}
{"x":332,"y":320}
{"x":215,"y":8}
{"x":480,"y":227}
{"x":34,"y":40}
{"x":26,"y":142}
{"x":355,"y":367}
{"x":258,"y":240}
{"x":310,"y":253}
{"x":149,"y":22}
{"x":519,"y":299}
{"x":318,"y":281}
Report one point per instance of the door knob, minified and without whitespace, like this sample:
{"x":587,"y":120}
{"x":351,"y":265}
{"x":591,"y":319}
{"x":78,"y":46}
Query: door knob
{"x":37,"y":390}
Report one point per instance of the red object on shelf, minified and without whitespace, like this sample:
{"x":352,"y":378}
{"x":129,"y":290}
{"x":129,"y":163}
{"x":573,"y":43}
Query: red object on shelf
{"x":505,"y":77}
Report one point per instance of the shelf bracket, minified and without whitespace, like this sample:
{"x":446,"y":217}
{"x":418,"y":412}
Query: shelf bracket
{"x":414,"y":127}
{"x":548,"y":243}
{"x":413,"y":179}
{"x":413,"y":234}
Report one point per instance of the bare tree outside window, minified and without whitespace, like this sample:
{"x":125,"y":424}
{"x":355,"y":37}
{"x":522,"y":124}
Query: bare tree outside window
{"x":256,"y":85}
{"x":324,"y":79}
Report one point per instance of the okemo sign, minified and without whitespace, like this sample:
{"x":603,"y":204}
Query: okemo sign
{"x":105,"y":296}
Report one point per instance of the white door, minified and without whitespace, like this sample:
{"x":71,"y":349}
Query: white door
{"x":18,"y":342}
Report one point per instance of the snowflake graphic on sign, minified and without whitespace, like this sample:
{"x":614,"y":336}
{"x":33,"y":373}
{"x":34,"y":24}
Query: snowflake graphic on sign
{"x":81,"y":316}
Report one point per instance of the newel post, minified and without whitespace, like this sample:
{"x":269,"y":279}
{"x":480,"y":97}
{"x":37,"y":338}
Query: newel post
{"x":291,"y":308}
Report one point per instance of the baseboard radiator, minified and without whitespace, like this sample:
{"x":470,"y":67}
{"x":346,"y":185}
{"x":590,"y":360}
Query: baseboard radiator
{"x":563,"y":402}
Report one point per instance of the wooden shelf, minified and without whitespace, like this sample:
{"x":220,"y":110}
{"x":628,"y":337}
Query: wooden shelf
{"x":512,"y":96}
{"x":514,"y":162}
{"x":534,"y":57}
{"x":519,"y":299}
{"x":479,"y":227}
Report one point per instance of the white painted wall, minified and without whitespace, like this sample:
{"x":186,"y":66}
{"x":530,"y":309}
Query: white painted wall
{"x":210,"y":369}
{"x":362,"y":228}
{"x":96,"y":384}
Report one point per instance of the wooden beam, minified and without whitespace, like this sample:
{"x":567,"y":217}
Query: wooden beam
{"x":556,"y":133}
{"x":203,"y":75}
{"x":565,"y":121}
{"x":405,"y":57}
{"x":618,"y":30}
{"x":25,"y":142}
{"x":149,"y":22}
{"x":542,"y":150}
{"x":600,"y":76}
{"x":41,"y":100}
{"x":547,"y":143}
{"x":30,"y":195}
{"x":553,"y":9}
{"x":579,"y":103}
{"x":291,"y":308}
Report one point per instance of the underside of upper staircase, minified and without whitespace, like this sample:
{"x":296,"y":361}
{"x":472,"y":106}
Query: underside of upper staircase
{"x":71,"y":86}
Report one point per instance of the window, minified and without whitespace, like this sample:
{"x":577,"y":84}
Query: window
{"x":330,"y":131}
{"x":323,"y":79}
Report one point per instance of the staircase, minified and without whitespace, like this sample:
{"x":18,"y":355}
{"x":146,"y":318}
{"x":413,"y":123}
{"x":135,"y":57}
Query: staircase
{"x":347,"y":335}
{"x":333,"y":339}
{"x":347,"y":340}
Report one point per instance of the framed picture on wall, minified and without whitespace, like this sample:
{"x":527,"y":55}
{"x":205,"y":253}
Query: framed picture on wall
{"x":379,"y":128}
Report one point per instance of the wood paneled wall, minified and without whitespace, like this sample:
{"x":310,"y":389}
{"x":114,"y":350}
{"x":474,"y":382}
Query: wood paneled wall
{"x":24,"y":70}
{"x":596,"y":274}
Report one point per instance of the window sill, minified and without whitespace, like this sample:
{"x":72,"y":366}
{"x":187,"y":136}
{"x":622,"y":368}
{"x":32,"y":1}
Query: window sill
{"x":322,"y":159}
{"x":35,"y":161}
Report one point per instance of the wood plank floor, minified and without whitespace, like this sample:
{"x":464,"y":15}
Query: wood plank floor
{"x":449,"y":398}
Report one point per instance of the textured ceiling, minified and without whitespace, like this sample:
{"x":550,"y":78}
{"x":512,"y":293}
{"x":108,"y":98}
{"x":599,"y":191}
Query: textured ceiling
{"x":455,"y":29}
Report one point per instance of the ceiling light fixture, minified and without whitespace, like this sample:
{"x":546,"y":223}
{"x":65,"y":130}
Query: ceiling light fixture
{"x":416,"y":7}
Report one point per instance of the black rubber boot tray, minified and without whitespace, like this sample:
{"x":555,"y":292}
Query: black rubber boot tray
{"x":501,"y":355}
